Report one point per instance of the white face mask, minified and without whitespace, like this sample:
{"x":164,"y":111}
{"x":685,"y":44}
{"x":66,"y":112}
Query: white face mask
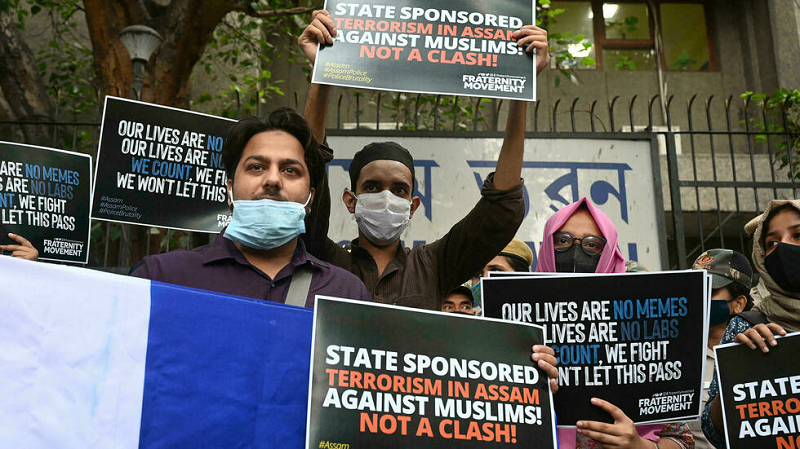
{"x":382,"y":217}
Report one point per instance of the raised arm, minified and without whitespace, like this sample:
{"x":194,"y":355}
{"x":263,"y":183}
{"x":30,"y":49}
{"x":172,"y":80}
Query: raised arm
{"x":509,"y":164}
{"x":494,"y":221}
{"x":320,"y":31}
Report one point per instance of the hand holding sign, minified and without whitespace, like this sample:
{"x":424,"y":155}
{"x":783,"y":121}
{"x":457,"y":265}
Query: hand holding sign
{"x":622,"y":433}
{"x":759,"y":335}
{"x":320,"y":31}
{"x":545,"y":358}
{"x":24,"y":250}
{"x":536,"y":40}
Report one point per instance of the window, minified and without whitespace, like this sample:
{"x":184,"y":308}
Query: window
{"x":621,"y":35}
{"x":685,"y":37}
{"x":573,"y":33}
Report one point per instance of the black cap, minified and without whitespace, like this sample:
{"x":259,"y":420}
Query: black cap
{"x":379,"y":151}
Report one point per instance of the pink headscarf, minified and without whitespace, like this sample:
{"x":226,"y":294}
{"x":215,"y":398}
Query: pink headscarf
{"x":611,"y":260}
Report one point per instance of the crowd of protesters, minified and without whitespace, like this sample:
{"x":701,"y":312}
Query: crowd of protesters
{"x":276,"y":246}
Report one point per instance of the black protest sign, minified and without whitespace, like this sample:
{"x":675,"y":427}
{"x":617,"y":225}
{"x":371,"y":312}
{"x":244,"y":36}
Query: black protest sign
{"x":388,"y":377}
{"x":161,"y":166}
{"x":44,"y":197}
{"x":452,"y":47}
{"x":635,"y":340}
{"x":761,"y":394}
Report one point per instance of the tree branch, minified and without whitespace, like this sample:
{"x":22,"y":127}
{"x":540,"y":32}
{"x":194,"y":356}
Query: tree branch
{"x":241,"y":35}
{"x":246,"y":8}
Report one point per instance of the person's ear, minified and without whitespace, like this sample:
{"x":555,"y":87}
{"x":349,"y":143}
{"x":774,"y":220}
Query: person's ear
{"x":414,"y":205}
{"x":739,"y":304}
{"x":229,"y":191}
{"x":349,"y":200}
{"x":310,"y":200}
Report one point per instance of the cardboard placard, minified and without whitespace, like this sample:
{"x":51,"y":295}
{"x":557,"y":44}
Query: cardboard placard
{"x":161,"y":166}
{"x":44,"y":197}
{"x":449,"y":47}
{"x":760,"y":394}
{"x":387,"y":377}
{"x":636,"y":340}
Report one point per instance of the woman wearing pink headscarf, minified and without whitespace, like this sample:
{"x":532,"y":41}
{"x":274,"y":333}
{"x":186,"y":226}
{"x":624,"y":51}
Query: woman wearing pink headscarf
{"x":581,"y":239}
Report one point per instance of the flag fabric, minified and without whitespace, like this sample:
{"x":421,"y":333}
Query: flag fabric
{"x":96,"y":360}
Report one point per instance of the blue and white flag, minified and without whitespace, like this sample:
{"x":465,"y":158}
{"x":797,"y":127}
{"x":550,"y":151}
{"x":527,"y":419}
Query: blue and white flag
{"x":96,"y":360}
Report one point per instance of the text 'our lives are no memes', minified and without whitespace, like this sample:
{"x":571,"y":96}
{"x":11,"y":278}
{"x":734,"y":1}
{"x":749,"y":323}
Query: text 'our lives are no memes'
{"x":169,"y":161}
{"x":37,"y":195}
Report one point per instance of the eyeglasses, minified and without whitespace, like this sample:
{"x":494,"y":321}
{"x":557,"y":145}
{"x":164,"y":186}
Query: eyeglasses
{"x":592,"y":245}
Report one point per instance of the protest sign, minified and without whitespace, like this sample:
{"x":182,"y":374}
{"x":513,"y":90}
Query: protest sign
{"x":161,"y":166}
{"x":452,"y":47}
{"x":761,"y":394}
{"x":44,"y":197}
{"x":386,"y":377}
{"x":636,"y":340}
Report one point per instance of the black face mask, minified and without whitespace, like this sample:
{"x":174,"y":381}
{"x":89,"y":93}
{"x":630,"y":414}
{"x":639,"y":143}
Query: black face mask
{"x":574,"y":260}
{"x":783,"y":264}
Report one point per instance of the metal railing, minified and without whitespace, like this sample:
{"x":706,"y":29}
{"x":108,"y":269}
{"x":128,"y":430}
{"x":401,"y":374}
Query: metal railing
{"x":722,"y":160}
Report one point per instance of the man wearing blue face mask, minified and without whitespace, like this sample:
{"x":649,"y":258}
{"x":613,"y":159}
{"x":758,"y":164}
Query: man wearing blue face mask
{"x":731,"y":279}
{"x":272,"y":177}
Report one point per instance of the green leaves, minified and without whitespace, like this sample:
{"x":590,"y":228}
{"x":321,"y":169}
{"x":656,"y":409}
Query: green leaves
{"x":684,"y":61}
{"x":243,"y":50}
{"x":568,"y":50}
{"x":782,"y":121}
{"x":625,"y":63}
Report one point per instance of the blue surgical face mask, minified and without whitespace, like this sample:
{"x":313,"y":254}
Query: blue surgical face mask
{"x":266,"y":224}
{"x":720,"y":312}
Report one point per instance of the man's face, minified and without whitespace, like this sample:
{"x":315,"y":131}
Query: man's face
{"x":381,"y":175}
{"x":272,"y":166}
{"x":457,"y":302}
{"x":499,"y":263}
{"x":386,"y":175}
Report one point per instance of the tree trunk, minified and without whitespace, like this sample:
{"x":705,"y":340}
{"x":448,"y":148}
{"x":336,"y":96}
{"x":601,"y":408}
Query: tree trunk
{"x":186,"y":27}
{"x":112,"y":63}
{"x":23,"y":88}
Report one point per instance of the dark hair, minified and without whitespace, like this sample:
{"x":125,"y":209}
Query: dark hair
{"x":283,"y":119}
{"x":517,"y":264}
{"x":736,"y":290}
{"x":772,"y":214}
